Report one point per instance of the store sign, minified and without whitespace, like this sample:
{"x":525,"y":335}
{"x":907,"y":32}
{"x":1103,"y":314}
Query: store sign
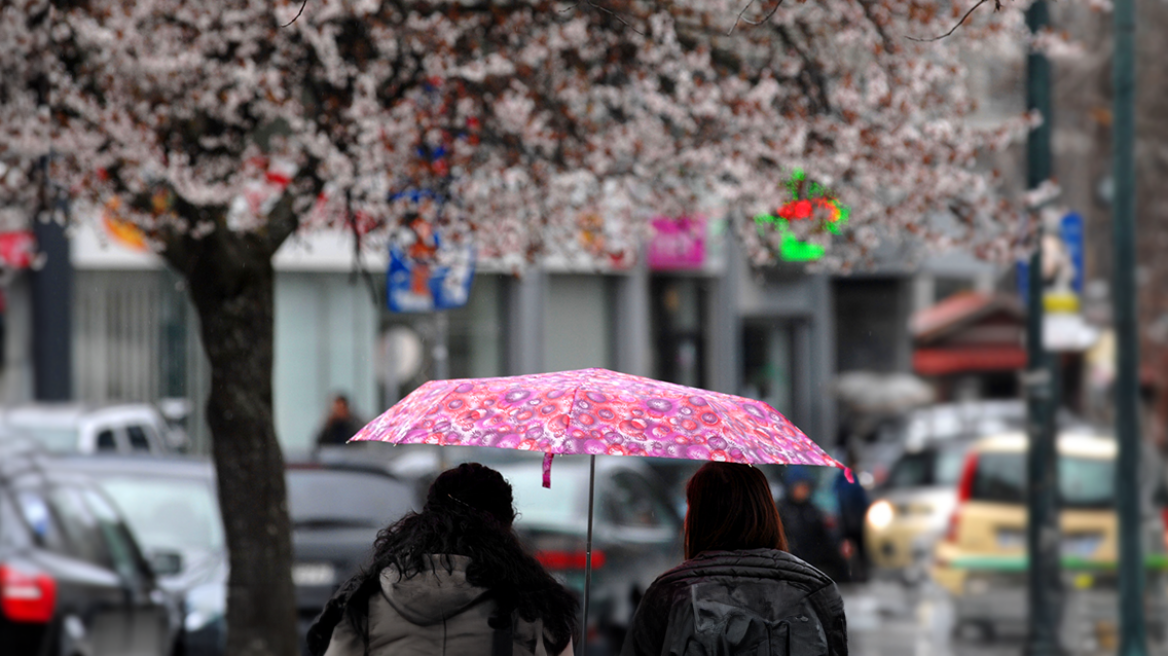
{"x":428,"y":271}
{"x":677,"y":243}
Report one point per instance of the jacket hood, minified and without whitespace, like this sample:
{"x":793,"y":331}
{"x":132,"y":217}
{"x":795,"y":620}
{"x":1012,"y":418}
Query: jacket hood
{"x":752,"y":564}
{"x":433,"y":595}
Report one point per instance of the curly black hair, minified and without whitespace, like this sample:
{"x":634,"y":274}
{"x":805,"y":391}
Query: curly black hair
{"x":468,"y":512}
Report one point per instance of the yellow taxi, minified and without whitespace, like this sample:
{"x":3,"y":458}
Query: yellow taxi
{"x":981,"y":561}
{"x":911,"y":508}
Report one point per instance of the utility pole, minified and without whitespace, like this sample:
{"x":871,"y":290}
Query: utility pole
{"x":1133,"y":638}
{"x":1042,"y":530}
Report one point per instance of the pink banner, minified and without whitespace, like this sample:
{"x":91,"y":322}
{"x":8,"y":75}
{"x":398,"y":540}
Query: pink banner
{"x":678,"y":243}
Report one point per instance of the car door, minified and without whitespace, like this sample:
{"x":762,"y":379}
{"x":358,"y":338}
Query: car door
{"x":149,"y":615}
{"x":90,"y":596}
{"x":125,"y":621}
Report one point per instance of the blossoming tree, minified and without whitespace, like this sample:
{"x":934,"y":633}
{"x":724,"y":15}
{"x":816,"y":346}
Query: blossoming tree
{"x":529,"y":117}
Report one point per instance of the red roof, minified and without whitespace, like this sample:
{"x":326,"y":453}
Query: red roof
{"x":958,"y":311}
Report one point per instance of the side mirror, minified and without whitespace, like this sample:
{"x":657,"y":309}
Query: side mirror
{"x":166,"y":563}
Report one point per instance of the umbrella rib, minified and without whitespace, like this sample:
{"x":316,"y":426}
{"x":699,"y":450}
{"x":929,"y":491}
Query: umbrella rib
{"x":571,"y":406}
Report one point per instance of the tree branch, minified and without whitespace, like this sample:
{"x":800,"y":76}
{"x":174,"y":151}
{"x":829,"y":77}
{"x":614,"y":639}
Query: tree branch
{"x":997,"y":7}
{"x":739,"y":19}
{"x":302,"y":5}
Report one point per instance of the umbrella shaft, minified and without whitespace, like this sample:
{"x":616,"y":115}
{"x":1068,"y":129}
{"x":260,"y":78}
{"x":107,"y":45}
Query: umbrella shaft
{"x":588,"y":557}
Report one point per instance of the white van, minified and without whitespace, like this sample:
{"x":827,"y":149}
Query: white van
{"x":76,"y":428}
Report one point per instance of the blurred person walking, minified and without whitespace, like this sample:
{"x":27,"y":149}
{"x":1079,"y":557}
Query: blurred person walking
{"x":739,"y":591}
{"x":805,"y":524}
{"x":452,"y":579}
{"x":853,"y":506}
{"x":340,"y":424}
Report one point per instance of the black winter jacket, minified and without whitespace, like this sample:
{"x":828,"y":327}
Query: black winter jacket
{"x":722,"y":603}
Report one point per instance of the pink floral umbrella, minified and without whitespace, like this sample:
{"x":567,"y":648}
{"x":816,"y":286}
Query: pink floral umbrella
{"x":594,"y":412}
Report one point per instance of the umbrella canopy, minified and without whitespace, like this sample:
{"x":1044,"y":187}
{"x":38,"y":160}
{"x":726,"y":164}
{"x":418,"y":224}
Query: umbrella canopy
{"x":594,"y":412}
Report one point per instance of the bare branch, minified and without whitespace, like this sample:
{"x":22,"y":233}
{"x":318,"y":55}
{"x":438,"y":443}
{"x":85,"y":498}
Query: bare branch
{"x":302,"y":5}
{"x":739,"y":19}
{"x":997,"y":4}
{"x":616,"y":16}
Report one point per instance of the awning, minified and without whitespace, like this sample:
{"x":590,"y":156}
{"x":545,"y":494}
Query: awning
{"x":942,"y":361}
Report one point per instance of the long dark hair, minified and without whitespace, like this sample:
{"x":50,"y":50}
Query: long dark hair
{"x":731,"y":508}
{"x":468,"y":512}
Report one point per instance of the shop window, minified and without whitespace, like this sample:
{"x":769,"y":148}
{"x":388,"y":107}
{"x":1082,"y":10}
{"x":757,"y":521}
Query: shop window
{"x":679,"y":329}
{"x":768,"y":363}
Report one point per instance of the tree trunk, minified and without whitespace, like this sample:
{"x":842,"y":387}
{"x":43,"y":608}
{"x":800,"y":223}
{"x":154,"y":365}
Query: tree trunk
{"x":232,"y":285}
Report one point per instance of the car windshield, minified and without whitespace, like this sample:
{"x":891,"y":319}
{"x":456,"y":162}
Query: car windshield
{"x":947,"y":466}
{"x":542,"y":506}
{"x":324,"y":498}
{"x":54,"y":436}
{"x":169,"y":514}
{"x":1083,"y":482}
{"x":933,"y":467}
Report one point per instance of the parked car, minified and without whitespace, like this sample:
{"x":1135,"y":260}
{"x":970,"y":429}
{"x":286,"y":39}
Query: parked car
{"x":911,"y":509}
{"x":171,"y":506}
{"x":72,"y":577}
{"x":636,"y":532}
{"x":336,"y":511}
{"x":942,"y":422}
{"x":981,"y":560}
{"x":69,"y":427}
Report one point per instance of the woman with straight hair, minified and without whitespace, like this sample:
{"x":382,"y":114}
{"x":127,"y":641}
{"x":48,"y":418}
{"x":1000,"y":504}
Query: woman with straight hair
{"x":739,"y":591}
{"x":450,"y":580}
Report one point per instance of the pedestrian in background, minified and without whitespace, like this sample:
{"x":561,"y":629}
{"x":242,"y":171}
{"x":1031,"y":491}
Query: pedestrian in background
{"x":340,"y":424}
{"x":808,"y":536}
{"x":853,"y":507}
{"x":739,"y":590}
{"x":452,"y":580}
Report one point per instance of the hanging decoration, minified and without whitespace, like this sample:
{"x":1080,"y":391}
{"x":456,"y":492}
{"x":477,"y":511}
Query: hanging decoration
{"x":810,"y":201}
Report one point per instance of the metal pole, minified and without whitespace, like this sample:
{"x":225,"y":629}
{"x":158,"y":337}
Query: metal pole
{"x":52,"y":301}
{"x":441,"y":351}
{"x":1042,"y":530}
{"x":588,"y":557}
{"x":1133,"y":638}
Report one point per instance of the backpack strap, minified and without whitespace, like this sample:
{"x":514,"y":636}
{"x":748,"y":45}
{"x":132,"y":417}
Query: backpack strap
{"x":503,"y":632}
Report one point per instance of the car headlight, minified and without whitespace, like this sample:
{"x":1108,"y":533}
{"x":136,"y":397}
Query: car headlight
{"x":205,"y":604}
{"x":880,"y":514}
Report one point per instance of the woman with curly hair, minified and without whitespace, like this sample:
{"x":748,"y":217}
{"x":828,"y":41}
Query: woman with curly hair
{"x":452,"y":579}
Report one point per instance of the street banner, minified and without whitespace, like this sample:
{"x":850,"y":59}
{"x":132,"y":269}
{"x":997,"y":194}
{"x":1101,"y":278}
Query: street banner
{"x":428,"y":270}
{"x":1062,"y":266}
{"x":1063,"y":327}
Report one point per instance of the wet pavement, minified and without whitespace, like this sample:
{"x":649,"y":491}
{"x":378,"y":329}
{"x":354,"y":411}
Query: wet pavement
{"x":889,"y":619}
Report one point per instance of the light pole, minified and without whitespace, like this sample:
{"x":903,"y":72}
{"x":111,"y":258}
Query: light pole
{"x":1133,"y":639}
{"x":1042,"y":530}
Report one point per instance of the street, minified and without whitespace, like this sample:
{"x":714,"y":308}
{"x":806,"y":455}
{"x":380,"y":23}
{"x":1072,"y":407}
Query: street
{"x":885,"y":619}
